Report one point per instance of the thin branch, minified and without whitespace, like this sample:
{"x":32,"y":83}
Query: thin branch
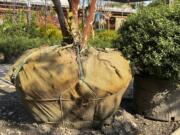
{"x":89,"y":23}
{"x":83,"y":12}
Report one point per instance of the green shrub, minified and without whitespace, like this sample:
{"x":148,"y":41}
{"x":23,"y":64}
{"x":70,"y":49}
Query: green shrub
{"x":19,"y":27}
{"x":157,"y":3}
{"x":150,"y":39}
{"x":18,"y":36}
{"x":103,"y":39}
{"x":51,"y":34}
{"x":12,"y":47}
{"x":162,"y":2}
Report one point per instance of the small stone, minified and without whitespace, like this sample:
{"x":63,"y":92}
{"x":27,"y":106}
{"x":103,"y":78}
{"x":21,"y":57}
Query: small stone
{"x":46,"y":128}
{"x":10,"y":113}
{"x":127,"y":127}
{"x":2,"y":57}
{"x":35,"y":125}
{"x":107,"y":130}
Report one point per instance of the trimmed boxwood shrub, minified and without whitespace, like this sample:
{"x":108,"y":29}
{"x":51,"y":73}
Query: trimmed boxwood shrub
{"x":150,"y":39}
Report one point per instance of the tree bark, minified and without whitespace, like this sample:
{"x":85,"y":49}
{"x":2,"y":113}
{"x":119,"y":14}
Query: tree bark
{"x":67,"y":37}
{"x":73,"y":35}
{"x":73,"y":4}
{"x":89,"y":23}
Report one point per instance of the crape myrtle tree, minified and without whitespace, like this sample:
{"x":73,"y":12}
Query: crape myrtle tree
{"x":70,"y":25}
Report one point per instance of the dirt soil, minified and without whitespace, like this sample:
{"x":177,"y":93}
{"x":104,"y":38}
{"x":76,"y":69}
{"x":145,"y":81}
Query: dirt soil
{"x":15,"y":120}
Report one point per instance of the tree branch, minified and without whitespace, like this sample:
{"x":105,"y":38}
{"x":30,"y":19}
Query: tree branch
{"x":75,"y":21}
{"x":89,"y":23}
{"x":67,"y":37}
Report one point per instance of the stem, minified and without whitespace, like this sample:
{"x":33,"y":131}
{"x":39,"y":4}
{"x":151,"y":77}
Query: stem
{"x":89,"y":23}
{"x":75,"y":21}
{"x":83,"y":13}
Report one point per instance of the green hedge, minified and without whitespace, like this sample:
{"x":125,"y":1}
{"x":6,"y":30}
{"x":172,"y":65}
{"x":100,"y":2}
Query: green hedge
{"x":13,"y":47}
{"x":150,"y":39}
{"x":50,"y":33}
{"x":103,"y":39}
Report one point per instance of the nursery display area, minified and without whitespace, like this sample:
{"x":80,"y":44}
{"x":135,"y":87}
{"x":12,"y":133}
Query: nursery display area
{"x":67,"y":78}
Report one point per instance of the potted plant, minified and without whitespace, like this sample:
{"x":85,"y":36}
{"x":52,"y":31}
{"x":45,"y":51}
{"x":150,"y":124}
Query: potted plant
{"x":150,"y":39}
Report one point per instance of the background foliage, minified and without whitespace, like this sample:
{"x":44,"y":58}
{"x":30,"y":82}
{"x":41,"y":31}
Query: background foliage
{"x":18,"y":36}
{"x":150,"y":39}
{"x":103,"y":39}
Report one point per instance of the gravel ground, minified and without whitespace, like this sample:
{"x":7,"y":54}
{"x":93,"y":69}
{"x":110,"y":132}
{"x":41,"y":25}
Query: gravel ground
{"x":15,"y":120}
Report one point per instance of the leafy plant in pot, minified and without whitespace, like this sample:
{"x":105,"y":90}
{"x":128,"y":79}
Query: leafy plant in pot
{"x":150,"y":39}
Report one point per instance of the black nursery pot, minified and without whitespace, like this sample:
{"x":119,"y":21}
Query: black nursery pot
{"x":157,"y":99}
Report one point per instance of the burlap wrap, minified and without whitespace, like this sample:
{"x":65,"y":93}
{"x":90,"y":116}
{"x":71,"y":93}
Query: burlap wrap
{"x":55,"y":90}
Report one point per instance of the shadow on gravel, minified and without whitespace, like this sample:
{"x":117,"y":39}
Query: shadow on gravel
{"x":12,"y":109}
{"x":128,"y":105}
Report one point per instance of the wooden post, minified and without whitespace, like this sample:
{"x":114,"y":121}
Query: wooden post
{"x":28,"y":12}
{"x":14,"y":12}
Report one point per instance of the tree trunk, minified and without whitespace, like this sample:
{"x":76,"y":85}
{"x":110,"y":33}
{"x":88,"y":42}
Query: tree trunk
{"x":67,"y":37}
{"x":73,"y":4}
{"x":89,"y":23}
{"x":73,"y":34}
